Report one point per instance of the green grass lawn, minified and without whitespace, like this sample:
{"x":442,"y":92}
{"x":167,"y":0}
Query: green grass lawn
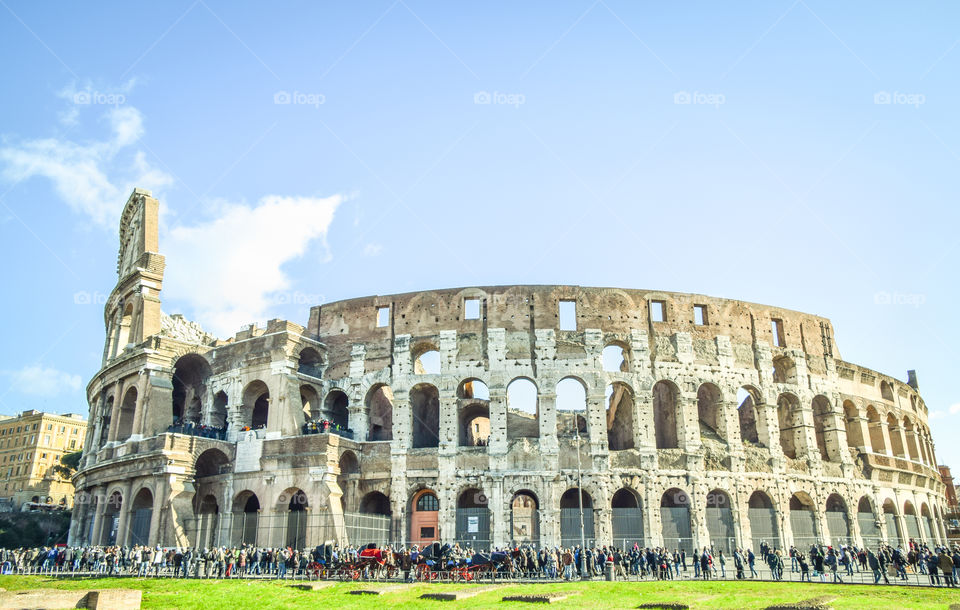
{"x":271,"y":594}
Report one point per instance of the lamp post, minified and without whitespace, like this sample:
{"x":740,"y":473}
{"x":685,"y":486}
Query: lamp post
{"x":583,"y":538}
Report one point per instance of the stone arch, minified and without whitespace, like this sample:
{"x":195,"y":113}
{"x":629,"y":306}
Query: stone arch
{"x":473,"y":519}
{"x":128,"y":410}
{"x":473,"y":388}
{"x":571,"y":393}
{"x":246,"y":518}
{"x":877,"y":444}
{"x":675,"y":522}
{"x":218,"y":412}
{"x":524,"y":518}
{"x":710,"y":412}
{"x":896,"y":440}
{"x":886,"y":390}
{"x":719,"y":513}
{"x":838,"y":521}
{"x":424,"y":517}
{"x":190,"y":375}
{"x":570,"y":532}
{"x":890,"y":514}
{"x":310,"y":363}
{"x":665,"y":420}
{"x":748,"y":397}
{"x":206,"y":512}
{"x":256,"y":405}
{"x":523,"y":409}
{"x":789,"y":415}
{"x":803,"y":520}
{"x":620,"y":407}
{"x":296,"y":503}
{"x":379,"y":402}
{"x":211,"y":463}
{"x":784,"y":370}
{"x":615,"y":357}
{"x":349,"y":467}
{"x":851,"y":422}
{"x":764,"y":524}
{"x":375,"y":503}
{"x":825,"y":431}
{"x":425,"y":357}
{"x":910,"y":434}
{"x":310,"y":401}
{"x":627,"y":519}
{"x":425,"y":410}
{"x":869,"y":523}
{"x":336,"y":408}
{"x":929,"y":527}
{"x":141,"y":515}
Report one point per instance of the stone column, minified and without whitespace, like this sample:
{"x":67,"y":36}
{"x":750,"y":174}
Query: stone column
{"x":96,"y":534}
{"x":698,"y":515}
{"x":449,"y":427}
{"x":156,"y":516}
{"x":863,"y":426}
{"x":596,"y":424}
{"x":402,"y":421}
{"x":126,"y":512}
{"x":688,"y":424}
{"x":497,"y":443}
{"x":500,"y":512}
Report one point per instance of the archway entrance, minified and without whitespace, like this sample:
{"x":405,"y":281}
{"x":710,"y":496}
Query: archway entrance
{"x":524,"y":519}
{"x":837,"y":522}
{"x":763,"y":521}
{"x":246,"y":518}
{"x":675,"y":520}
{"x":627,"y":519}
{"x":720,"y":521}
{"x":869,"y":525}
{"x":208,"y":522}
{"x":570,"y":518}
{"x":803,"y":521}
{"x":111,"y":519}
{"x":142,"y":515}
{"x":473,"y":520}
{"x":297,"y":521}
{"x":424,"y":518}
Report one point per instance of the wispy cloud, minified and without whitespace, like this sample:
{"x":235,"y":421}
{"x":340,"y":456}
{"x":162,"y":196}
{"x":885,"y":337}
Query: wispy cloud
{"x":372,"y":249}
{"x":43,"y":381}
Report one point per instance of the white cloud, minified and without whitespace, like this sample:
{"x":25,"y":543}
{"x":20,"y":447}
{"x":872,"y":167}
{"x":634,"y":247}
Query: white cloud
{"x":79,"y":171}
{"x":937,"y":414}
{"x":229,"y":269}
{"x":372,"y":249}
{"x":954,"y":408}
{"x":44,"y":382}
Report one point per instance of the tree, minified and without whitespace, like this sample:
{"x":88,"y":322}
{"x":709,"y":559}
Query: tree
{"x":68,"y":465}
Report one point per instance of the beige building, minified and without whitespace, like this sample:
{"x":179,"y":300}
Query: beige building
{"x":489,"y":415}
{"x":30,"y":445}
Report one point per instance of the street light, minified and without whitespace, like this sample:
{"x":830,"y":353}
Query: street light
{"x":583,"y":538}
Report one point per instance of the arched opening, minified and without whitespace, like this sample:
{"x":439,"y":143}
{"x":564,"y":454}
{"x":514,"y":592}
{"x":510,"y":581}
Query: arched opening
{"x":105,"y":419}
{"x":869,"y":524}
{"x":763,"y":521}
{"x":825,"y":430}
{"x":709,"y":405}
{"x":123,"y":336}
{"x":790,"y":418}
{"x":523,"y":409}
{"x":896,"y":440}
{"x":310,"y":402}
{"x":211,"y":463}
{"x":570,"y":530}
{"x":142,"y":515}
{"x":256,"y":405}
{"x":207,"y":514}
{"x":348,"y":480}
{"x":218,"y":414}
{"x":426,"y":360}
{"x":571,"y":407}
{"x":380,"y":413}
{"x":910,"y":434}
{"x":851,"y":421}
{"x":748,"y":399}
{"x":425,"y":408}
{"x":927,"y":522}
{"x":336,"y":408}
{"x":246,"y":518}
{"x":627,"y":519}
{"x":296,"y":519}
{"x":913,"y":523}
{"x":803,"y":521}
{"x":784,"y":370}
{"x":111,"y":519}
{"x":424,"y":518}
{"x":372,"y":522}
{"x":620,"y":428}
{"x":614,"y":358}
{"x":838,"y":523}
{"x":524,"y":519}
{"x":474,"y":425}
{"x":675,"y":520}
{"x":310,"y":363}
{"x":665,"y":415}
{"x":894,"y":535}
{"x":190,"y":374}
{"x":473,"y":389}
{"x":128,"y":410}
{"x":876,"y":431}
{"x":720,"y":521}
{"x":473,"y":520}
{"x":886,"y":390}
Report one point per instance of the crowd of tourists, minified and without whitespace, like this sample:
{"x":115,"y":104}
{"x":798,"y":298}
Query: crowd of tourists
{"x":941,"y":565}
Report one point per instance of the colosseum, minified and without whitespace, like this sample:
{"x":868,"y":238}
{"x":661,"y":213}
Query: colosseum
{"x":489,"y":416}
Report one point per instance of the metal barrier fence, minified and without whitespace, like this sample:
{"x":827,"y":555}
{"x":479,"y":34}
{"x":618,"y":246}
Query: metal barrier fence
{"x":676,"y":527}
{"x":763,"y":526}
{"x":299,"y":529}
{"x":720,"y":528}
{"x":570,"y":527}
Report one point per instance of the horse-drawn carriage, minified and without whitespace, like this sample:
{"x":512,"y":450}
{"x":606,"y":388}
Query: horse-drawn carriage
{"x":438,"y":563}
{"x":371,"y":563}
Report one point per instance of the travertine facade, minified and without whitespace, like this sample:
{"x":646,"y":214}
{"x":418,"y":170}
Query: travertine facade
{"x":693,"y":421}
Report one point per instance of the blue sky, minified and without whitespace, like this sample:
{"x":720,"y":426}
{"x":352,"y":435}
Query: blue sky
{"x":802,"y":154}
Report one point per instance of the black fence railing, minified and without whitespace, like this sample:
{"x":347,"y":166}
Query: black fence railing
{"x":326,"y":427}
